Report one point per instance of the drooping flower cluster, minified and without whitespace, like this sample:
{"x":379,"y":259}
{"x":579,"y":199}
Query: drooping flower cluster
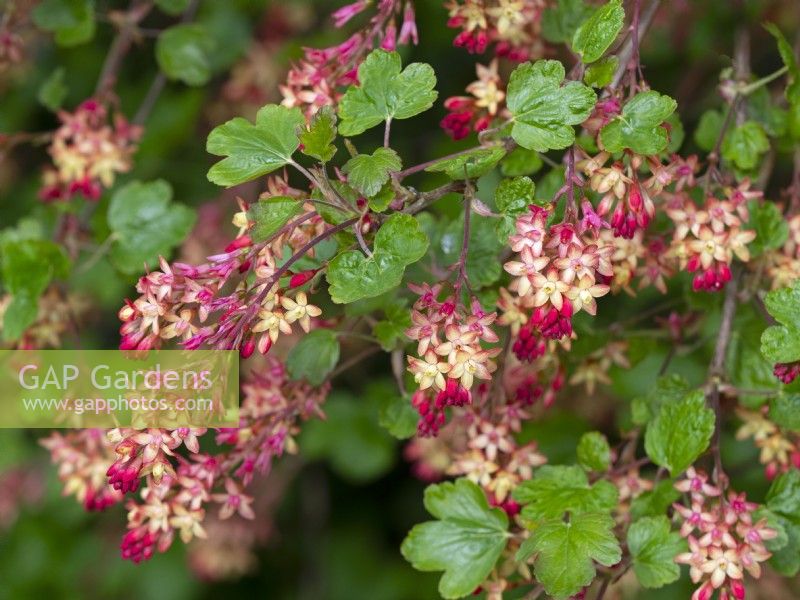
{"x":724,"y":539}
{"x":320,"y":77}
{"x":557,"y":274}
{"x":513,"y":26}
{"x":177,"y":300}
{"x":707,"y":238}
{"x":494,"y":460}
{"x":88,"y":152}
{"x":83,"y":457}
{"x":778,"y":452}
{"x":450,"y":356}
{"x":475,"y":112}
{"x":177,"y":480}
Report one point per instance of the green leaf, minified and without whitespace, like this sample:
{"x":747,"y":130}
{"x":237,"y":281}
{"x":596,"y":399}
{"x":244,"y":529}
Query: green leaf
{"x":784,"y":410}
{"x":708,"y":129}
{"x":560,"y":22}
{"x":19,"y":314}
{"x":653,"y":547}
{"x":744,"y":145}
{"x":555,"y":490}
{"x":398,"y":417}
{"x":771,"y":228}
{"x":599,"y":31}
{"x":391,"y":330}
{"x":680,"y":433}
{"x":398,"y":243}
{"x":783,"y":502}
{"x":385,"y":92}
{"x":183,"y":51}
{"x":655,"y":502}
{"x":484,"y":266}
{"x":53,"y":91}
{"x":465,"y":542}
{"x":669,"y":388}
{"x":594,"y":452}
{"x":781,"y":343}
{"x":368,"y":172}
{"x":512,"y":197}
{"x":72,"y":21}
{"x":270,"y":214}
{"x":567,"y":552}
{"x":364,"y":453}
{"x":639,"y":127}
{"x":784,"y":494}
{"x":543,"y":110}
{"x":381,"y":201}
{"x":521,"y":161}
{"x":787,"y":55}
{"x":314,"y":356}
{"x":145,"y":224}
{"x":473,"y":164}
{"x":601,"y":73}
{"x":172,"y":7}
{"x":786,"y":547}
{"x":28,"y":267}
{"x":254,"y":150}
{"x":318,"y":139}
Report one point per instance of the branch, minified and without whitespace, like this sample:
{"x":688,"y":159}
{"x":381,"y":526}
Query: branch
{"x":626,"y":54}
{"x":716,"y":369}
{"x":120,"y":46}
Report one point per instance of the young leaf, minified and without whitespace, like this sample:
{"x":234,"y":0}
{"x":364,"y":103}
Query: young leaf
{"x":183,"y":53}
{"x":475,"y":163}
{"x":655,"y":502}
{"x":270,"y":214}
{"x":567,"y":552}
{"x":254,"y":150}
{"x":314,"y":356}
{"x":680,"y":433}
{"x":639,"y":127}
{"x":464,"y":543}
{"x":744,"y":145}
{"x":367,"y":173}
{"x":601,"y":73}
{"x":559,"y":22}
{"x":653,"y":546}
{"x":145,"y":224}
{"x":555,"y":490}
{"x":385,"y":92}
{"x":669,"y":388}
{"x":398,"y":243}
{"x":512,"y":197}
{"x":599,"y":31}
{"x":317,"y":140}
{"x":391,"y":330}
{"x":53,"y":91}
{"x":28,"y":267}
{"x":72,"y":21}
{"x":543,"y":110}
{"x":785,"y":410}
{"x":708,"y":129}
{"x":398,"y":417}
{"x":594,"y":452}
{"x":771,"y":228}
{"x":781,"y":343}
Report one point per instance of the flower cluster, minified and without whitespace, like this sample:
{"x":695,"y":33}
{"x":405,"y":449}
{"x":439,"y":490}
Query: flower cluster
{"x":319,"y":78}
{"x":513,"y":26}
{"x":83,"y":456}
{"x":724,"y":540}
{"x":450,"y":356}
{"x":706,"y":239}
{"x":778,"y":453}
{"x":475,"y":112}
{"x":177,"y":300}
{"x":88,"y":151}
{"x":176,"y":488}
{"x":494,"y":460}
{"x":558,"y":274}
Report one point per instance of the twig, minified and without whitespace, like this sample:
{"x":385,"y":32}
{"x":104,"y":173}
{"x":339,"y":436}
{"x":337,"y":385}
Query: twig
{"x":462,"y":258}
{"x":626,"y":54}
{"x":716,"y":369}
{"x":425,"y":199}
{"x":353,"y":361}
{"x":425,"y":165}
{"x":387,"y":132}
{"x":120,"y":46}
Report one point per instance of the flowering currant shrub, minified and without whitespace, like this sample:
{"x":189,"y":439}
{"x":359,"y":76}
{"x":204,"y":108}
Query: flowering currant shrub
{"x":572,"y":289}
